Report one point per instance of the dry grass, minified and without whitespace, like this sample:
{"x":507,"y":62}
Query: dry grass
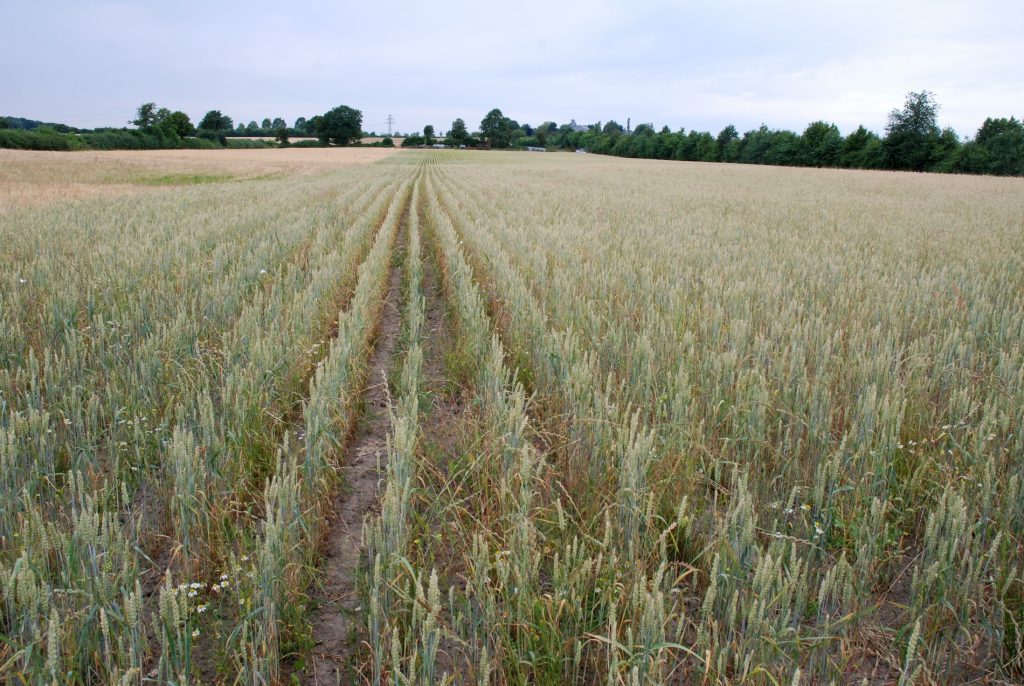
{"x":37,"y":178}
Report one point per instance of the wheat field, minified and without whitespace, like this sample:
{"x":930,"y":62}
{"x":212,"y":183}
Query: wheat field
{"x":440,"y":417}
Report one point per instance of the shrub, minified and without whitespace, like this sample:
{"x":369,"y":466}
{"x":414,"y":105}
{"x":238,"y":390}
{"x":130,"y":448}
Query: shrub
{"x":123,"y":140}
{"x":200,"y":144}
{"x":214,"y":136}
{"x":42,"y":138}
{"x":244,"y":143}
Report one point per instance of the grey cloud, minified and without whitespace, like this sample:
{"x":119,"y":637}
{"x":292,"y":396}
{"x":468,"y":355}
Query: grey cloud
{"x":684,"y":64}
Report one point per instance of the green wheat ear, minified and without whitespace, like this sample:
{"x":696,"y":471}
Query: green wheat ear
{"x":675,"y":422}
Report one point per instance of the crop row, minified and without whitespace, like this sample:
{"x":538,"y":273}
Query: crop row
{"x":172,"y":366}
{"x":837,"y":459}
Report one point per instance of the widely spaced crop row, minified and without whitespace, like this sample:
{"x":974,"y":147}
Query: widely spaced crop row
{"x":156,"y":355}
{"x":847,"y":439}
{"x":288,"y":541}
{"x":650,"y":424}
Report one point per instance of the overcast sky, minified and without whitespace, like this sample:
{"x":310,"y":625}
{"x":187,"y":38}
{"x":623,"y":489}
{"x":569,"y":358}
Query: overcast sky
{"x":698,"y":65}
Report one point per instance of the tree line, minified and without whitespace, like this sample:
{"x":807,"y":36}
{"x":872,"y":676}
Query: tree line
{"x":155,"y":127}
{"x":341,"y":125}
{"x":913,"y":141}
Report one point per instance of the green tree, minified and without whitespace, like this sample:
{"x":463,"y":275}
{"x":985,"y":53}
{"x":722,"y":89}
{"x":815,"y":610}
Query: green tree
{"x":458,"y":133}
{"x":946,"y":152}
{"x":755,"y":145}
{"x":862,"y":149}
{"x":496,"y":128}
{"x":341,"y":126}
{"x":428,"y":134}
{"x":1000,"y":147}
{"x":278,"y":123}
{"x":215,"y":121}
{"x":300,"y":124}
{"x":312,"y":124}
{"x":821,"y":145}
{"x":179,"y":123}
{"x":612,"y":128}
{"x":912,"y":136}
{"x":728,"y":144}
{"x":145,"y":116}
{"x":281,"y":136}
{"x":252,"y":128}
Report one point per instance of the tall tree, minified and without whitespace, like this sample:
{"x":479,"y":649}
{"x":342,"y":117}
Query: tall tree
{"x":496,"y":128}
{"x":179,"y":123}
{"x":428,"y":134}
{"x":863,"y":149}
{"x":458,"y":133}
{"x":1001,"y":143}
{"x":912,"y":135}
{"x":821,"y":145}
{"x":145,"y":116}
{"x":342,"y":126}
{"x":728,"y":144}
{"x":215,"y":121}
{"x":612,"y":128}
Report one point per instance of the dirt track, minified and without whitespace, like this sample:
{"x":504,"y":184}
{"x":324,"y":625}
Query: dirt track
{"x":366,"y":457}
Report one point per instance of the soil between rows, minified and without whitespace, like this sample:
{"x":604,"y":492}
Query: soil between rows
{"x":336,"y":594}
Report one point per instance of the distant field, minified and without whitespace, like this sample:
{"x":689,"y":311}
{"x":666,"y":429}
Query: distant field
{"x":293,"y":139}
{"x":29,"y":178}
{"x":327,"y":416}
{"x":365,"y":141}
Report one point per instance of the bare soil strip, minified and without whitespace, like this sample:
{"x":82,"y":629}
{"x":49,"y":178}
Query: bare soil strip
{"x":447,"y":399}
{"x":336,"y":617}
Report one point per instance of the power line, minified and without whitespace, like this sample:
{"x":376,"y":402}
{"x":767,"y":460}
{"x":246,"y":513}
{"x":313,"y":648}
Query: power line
{"x":391,"y":120}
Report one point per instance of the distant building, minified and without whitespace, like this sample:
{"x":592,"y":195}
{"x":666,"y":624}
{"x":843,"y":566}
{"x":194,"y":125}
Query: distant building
{"x":534,"y":148}
{"x":576,"y":127}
